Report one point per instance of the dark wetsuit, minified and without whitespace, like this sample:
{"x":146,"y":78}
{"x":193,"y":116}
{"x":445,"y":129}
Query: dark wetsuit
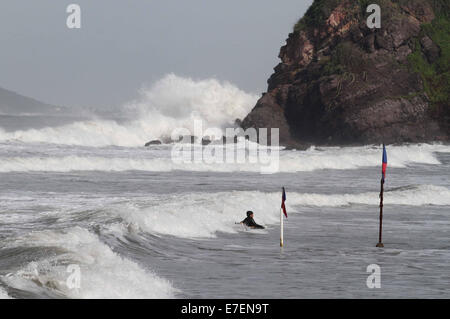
{"x":250,"y":222}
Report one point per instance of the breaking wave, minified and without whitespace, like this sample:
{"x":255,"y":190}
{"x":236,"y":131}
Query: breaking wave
{"x":289,"y":161}
{"x":3,"y":294}
{"x":170,"y":103}
{"x":218,"y":212}
{"x":104,"y":274}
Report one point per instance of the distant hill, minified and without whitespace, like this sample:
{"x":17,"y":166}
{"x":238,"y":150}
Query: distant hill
{"x":12,"y":103}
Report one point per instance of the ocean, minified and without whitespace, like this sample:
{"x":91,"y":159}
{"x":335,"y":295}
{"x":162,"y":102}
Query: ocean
{"x":138,"y":225}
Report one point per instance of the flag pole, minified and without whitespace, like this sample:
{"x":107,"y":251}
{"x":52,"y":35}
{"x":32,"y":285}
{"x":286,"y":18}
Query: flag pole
{"x":380,"y":241}
{"x":281,"y":229}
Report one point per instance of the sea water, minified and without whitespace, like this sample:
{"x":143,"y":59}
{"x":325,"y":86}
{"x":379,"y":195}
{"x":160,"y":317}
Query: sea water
{"x":138,"y":225}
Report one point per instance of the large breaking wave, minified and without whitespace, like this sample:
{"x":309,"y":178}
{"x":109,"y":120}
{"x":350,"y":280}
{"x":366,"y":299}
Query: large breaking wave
{"x":104,"y":274}
{"x":170,"y":103}
{"x":3,"y":294}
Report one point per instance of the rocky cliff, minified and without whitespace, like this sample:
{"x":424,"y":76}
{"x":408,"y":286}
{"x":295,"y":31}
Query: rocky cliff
{"x":340,"y":82}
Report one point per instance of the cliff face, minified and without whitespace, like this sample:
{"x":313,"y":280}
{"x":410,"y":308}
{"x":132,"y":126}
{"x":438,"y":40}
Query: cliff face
{"x":340,"y":82}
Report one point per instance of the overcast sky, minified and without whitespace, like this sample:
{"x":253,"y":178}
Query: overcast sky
{"x":125,"y":44}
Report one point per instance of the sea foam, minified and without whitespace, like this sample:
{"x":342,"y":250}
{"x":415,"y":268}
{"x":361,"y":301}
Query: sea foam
{"x":289,"y":161}
{"x":104,"y":274}
{"x":199,"y":215}
{"x":170,"y":103}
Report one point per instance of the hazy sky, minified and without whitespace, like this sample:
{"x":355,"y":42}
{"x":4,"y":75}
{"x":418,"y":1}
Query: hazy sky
{"x":125,"y":44}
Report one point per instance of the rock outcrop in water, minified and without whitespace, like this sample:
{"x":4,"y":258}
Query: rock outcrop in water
{"x":340,"y":82}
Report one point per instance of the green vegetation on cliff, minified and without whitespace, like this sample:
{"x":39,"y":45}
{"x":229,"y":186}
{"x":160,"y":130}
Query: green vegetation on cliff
{"x":340,"y":82}
{"x":435,"y":75}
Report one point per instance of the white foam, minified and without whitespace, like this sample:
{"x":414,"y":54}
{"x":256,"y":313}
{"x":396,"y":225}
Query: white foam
{"x":410,"y":196}
{"x":104,"y":274}
{"x":363,"y":156}
{"x":204,"y":214}
{"x":4,"y":294}
{"x":172,"y":102}
{"x":289,"y":161}
{"x":196,"y":215}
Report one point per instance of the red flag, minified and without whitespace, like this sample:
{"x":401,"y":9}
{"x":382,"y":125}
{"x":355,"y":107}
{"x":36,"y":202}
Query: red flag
{"x":283,"y":199}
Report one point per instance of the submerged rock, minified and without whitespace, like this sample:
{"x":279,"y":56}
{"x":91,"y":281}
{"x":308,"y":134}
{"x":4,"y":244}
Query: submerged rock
{"x":154,"y":142}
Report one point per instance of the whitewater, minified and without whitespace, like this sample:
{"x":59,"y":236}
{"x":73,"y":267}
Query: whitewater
{"x":87,"y":192}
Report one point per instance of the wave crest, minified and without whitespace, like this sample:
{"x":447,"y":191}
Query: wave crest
{"x":170,"y":103}
{"x":104,"y":274}
{"x":160,"y":161}
{"x":200,"y":215}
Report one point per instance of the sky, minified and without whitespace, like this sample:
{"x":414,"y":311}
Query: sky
{"x":124,"y":45}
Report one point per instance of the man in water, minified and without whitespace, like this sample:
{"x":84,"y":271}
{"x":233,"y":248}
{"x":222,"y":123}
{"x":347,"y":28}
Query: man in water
{"x":250,"y":222}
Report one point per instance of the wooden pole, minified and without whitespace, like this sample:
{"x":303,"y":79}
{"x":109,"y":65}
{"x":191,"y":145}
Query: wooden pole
{"x":380,"y":239}
{"x":281,"y":229}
